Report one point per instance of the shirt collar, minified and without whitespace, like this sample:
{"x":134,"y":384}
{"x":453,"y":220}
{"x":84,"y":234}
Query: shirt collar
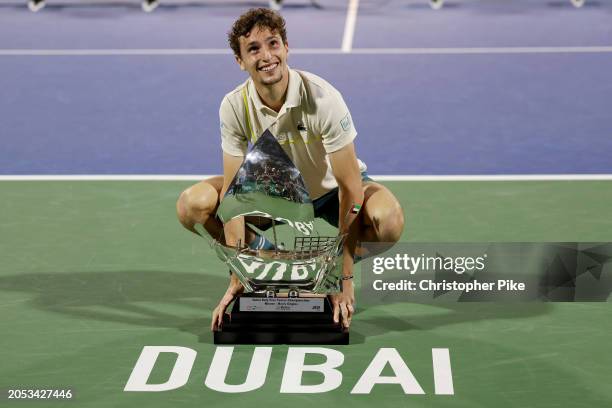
{"x":292,"y":99}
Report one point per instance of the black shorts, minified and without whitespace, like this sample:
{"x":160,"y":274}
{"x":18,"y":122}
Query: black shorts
{"x":327,"y":206}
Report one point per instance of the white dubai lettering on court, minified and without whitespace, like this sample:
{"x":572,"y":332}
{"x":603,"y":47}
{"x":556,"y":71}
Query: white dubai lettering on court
{"x":295,"y":367}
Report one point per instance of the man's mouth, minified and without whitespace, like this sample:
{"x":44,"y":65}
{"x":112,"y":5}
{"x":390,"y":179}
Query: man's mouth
{"x":267,"y":68}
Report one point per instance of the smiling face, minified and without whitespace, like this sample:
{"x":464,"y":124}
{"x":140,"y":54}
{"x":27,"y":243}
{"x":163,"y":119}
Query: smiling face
{"x":264,"y":56}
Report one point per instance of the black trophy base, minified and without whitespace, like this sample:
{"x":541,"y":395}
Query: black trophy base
{"x":272,"y":327}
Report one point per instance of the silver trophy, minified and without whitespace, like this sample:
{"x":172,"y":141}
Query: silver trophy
{"x":286,"y":285}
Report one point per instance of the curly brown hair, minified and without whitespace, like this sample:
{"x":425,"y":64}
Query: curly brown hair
{"x":260,"y":17}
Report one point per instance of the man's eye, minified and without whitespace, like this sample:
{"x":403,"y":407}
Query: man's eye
{"x":274,"y":43}
{"x":252,"y":49}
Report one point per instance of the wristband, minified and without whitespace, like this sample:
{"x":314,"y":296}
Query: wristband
{"x":349,"y":277}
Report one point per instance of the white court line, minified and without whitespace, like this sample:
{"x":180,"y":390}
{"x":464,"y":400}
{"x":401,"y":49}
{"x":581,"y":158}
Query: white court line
{"x":311,"y":51}
{"x":484,"y":50}
{"x":114,"y":51}
{"x":349,"y":26}
{"x":496,"y":177}
{"x":195,"y":177}
{"x":144,"y":51}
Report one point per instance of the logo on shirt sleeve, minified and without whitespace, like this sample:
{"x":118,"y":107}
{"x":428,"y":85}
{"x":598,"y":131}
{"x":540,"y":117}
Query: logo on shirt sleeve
{"x":346,"y":122}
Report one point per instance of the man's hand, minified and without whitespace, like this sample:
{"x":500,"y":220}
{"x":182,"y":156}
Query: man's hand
{"x":344,"y":303}
{"x":235,"y":288}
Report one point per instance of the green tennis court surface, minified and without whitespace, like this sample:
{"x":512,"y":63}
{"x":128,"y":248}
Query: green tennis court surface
{"x":93,"y":271}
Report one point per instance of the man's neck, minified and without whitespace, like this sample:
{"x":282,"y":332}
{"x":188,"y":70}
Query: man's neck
{"x":274,"y":96}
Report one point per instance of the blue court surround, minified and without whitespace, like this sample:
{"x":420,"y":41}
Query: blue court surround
{"x":543,"y":113}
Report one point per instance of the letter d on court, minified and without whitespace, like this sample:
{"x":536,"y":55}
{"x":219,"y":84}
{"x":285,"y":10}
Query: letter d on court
{"x":144,"y":366}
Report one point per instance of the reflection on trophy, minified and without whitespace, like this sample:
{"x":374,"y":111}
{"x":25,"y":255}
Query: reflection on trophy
{"x":286,"y":288}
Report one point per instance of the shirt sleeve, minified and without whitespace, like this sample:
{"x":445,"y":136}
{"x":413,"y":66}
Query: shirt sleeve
{"x":337,"y":129}
{"x":233,"y":137}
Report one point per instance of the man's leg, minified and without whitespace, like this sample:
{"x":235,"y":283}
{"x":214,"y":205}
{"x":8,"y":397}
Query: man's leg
{"x":198,"y":205}
{"x":382,"y":215}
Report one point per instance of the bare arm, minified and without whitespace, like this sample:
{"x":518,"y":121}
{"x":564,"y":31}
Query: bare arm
{"x":346,"y":171}
{"x":234,"y":233}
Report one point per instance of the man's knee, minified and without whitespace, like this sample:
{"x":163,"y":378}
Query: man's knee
{"x":388,"y":222}
{"x":197,"y":203}
{"x":383,"y":216}
{"x":182,"y":207}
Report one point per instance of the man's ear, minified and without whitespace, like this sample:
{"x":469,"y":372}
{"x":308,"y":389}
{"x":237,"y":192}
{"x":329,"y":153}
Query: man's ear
{"x":239,"y":61}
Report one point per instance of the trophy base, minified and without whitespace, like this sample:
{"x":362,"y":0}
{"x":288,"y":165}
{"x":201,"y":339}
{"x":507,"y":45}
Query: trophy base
{"x":259,"y":320}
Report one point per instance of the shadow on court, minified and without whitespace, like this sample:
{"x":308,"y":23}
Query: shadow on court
{"x":456,"y":313}
{"x":183,"y":301}
{"x":142,"y":298}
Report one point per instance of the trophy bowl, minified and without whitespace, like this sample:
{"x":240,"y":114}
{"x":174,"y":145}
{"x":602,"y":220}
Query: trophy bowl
{"x":312,"y":266}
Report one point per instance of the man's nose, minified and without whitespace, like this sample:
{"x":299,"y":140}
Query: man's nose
{"x":266,"y":53}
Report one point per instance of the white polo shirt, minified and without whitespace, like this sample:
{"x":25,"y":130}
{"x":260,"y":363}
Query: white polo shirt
{"x":313,"y":122}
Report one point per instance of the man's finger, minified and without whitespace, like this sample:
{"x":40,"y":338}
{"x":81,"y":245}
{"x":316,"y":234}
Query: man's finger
{"x":217,"y":317}
{"x":345,"y":321}
{"x":220,"y":316}
{"x":351,"y":309}
{"x":213,"y":321}
{"x":336,"y":312}
{"x":220,"y":311}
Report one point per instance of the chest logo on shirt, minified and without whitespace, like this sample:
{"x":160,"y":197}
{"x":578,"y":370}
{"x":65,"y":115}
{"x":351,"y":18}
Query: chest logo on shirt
{"x":282,"y":138}
{"x":346,"y":122}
